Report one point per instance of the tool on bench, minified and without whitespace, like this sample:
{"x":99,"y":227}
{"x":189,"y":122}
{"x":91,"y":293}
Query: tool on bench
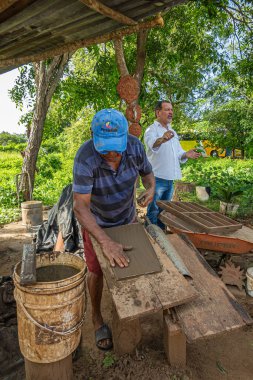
{"x":158,"y":235}
{"x":28,"y":266}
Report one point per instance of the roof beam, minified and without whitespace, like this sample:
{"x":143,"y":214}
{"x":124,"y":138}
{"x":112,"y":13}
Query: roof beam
{"x":73,"y":46}
{"x":5,"y":4}
{"x":109,"y":12}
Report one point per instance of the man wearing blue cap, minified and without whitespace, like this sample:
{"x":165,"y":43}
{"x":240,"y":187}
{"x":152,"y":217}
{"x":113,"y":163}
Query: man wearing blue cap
{"x":105,"y":171}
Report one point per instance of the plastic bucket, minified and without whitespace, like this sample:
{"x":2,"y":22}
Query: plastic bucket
{"x":228,"y":208}
{"x":249,"y":275}
{"x":50,"y":314}
{"x":201,"y":193}
{"x":32,"y":213}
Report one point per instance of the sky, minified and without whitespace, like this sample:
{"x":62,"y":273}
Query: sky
{"x":9,"y":114}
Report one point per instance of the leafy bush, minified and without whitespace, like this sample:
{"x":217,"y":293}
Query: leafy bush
{"x":12,"y":147}
{"x":228,"y":179}
{"x":48,"y":164}
{"x":217,"y":172}
{"x":10,"y":166}
{"x":7,"y":138}
{"x":8,"y":215}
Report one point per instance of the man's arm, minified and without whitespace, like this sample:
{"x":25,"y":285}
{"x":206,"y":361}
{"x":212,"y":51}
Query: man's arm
{"x":190,"y":154}
{"x":147,"y":196}
{"x":113,"y":251}
{"x":166,"y":137}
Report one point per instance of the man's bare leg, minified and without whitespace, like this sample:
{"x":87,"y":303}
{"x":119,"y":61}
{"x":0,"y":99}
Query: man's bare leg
{"x":95,"y":286}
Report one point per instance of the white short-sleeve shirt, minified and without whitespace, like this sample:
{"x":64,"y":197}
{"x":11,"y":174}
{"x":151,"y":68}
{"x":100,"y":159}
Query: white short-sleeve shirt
{"x":165,"y":159}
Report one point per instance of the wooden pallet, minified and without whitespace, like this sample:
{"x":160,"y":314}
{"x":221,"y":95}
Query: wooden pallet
{"x":205,"y":219}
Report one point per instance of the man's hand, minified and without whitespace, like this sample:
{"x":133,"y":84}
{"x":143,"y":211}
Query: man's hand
{"x":168,"y":135}
{"x":192,"y":154}
{"x":113,"y":251}
{"x":146,"y":197}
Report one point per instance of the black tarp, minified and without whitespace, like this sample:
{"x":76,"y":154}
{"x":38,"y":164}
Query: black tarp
{"x":60,"y":218}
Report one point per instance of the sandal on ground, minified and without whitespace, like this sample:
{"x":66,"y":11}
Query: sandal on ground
{"x":103,"y":333}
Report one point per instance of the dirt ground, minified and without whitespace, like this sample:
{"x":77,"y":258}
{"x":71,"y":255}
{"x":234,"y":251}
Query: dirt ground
{"x":225,"y":357}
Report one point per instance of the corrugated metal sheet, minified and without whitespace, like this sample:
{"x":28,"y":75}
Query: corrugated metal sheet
{"x":30,"y":27}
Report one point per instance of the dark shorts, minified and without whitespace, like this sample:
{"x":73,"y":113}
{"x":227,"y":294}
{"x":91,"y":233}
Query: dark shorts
{"x":90,"y":255}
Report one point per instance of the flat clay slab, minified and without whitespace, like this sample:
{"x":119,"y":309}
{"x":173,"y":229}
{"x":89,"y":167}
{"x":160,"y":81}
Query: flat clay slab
{"x":143,"y":259}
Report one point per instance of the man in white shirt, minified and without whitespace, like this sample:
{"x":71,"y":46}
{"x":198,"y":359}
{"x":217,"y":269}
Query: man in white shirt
{"x":165,"y":154}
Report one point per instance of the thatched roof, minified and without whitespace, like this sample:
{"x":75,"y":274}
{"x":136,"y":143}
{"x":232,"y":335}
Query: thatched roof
{"x":33,"y":30}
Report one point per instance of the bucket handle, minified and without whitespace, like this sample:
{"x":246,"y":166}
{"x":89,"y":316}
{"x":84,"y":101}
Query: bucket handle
{"x":50,"y":328}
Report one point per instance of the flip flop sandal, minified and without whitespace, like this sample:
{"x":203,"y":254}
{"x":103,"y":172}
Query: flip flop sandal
{"x":101,"y":334}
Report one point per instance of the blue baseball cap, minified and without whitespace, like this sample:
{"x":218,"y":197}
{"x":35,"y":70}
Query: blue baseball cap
{"x":110,"y":129}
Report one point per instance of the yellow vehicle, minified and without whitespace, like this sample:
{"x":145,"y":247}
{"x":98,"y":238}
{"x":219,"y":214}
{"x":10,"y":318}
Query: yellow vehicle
{"x":213,"y":151}
{"x":207,"y":149}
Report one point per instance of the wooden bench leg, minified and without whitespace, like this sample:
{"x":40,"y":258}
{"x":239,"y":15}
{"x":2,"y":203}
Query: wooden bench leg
{"x":174,"y":342}
{"x":126,"y":334}
{"x":60,"y":370}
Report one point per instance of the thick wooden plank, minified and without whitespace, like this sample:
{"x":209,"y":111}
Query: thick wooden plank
{"x":5,"y":4}
{"x":126,"y":334}
{"x":215,"y":310}
{"x":149,"y":293}
{"x":109,"y":12}
{"x":174,"y":341}
{"x":143,"y":259}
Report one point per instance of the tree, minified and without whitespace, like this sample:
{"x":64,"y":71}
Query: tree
{"x":178,"y":58}
{"x":46,"y":76}
{"x":231,"y":126}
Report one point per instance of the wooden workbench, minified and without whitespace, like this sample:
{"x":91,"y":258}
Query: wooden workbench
{"x":193,"y":309}
{"x":145,"y":294}
{"x":142,"y":295}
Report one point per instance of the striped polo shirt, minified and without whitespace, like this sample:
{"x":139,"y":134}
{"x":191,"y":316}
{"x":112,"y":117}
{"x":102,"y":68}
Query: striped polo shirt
{"x":112,"y":192}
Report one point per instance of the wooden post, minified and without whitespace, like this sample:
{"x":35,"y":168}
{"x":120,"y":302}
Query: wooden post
{"x":174,"y":342}
{"x":60,"y":370}
{"x":126,"y":334}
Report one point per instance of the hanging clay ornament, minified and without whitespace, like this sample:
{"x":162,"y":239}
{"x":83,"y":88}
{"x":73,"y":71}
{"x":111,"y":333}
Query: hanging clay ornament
{"x":135,"y":129}
{"x":128,"y":88}
{"x":133,"y":113}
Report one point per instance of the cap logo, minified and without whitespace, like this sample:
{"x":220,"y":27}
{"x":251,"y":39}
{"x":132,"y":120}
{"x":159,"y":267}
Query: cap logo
{"x":108,"y":127}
